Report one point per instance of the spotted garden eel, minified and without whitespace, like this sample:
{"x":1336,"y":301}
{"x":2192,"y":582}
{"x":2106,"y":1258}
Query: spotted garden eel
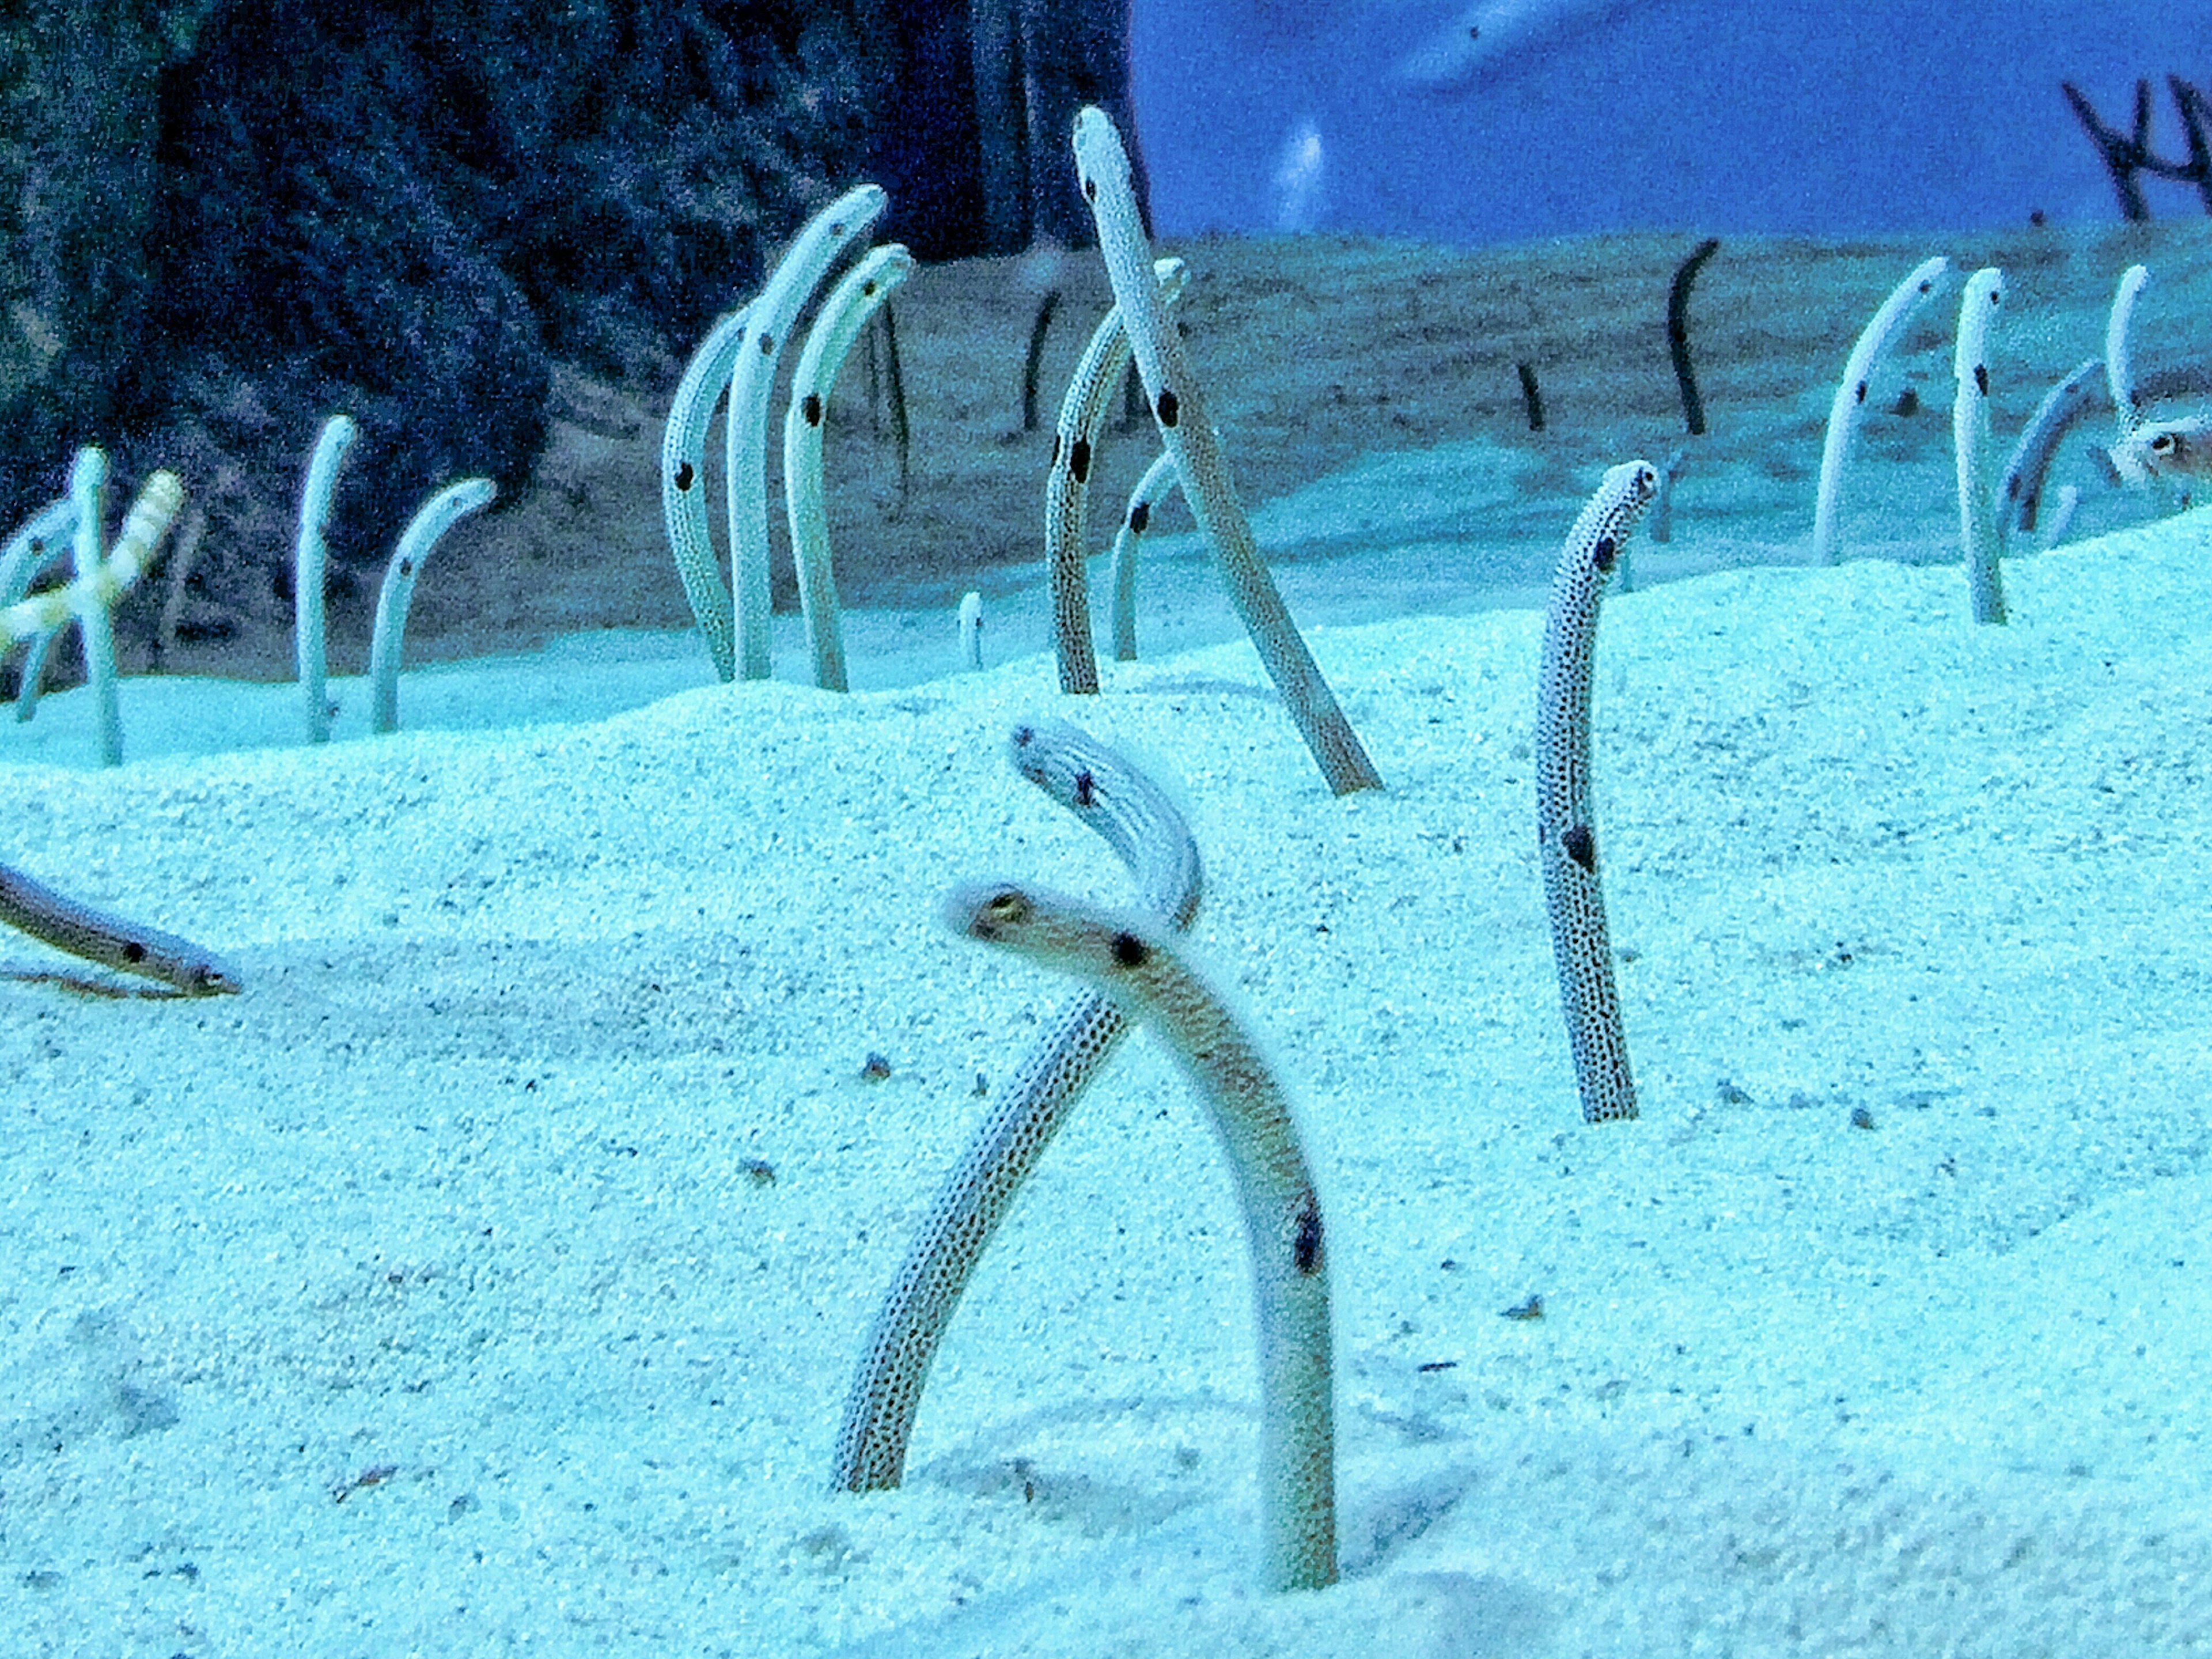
{"x":1659,"y":523}
{"x":438,"y":515}
{"x":1159,"y":478}
{"x":1135,"y":818}
{"x":1566,"y":833}
{"x":111,"y":940}
{"x":768,"y":320}
{"x":95,"y":625}
{"x":1970,"y":442}
{"x":2020,"y":491}
{"x":1889,"y":323}
{"x":48,"y":535}
{"x":683,"y":486}
{"x":1179,"y":407}
{"x":2119,"y":365}
{"x":2081,"y":393}
{"x":27,"y":553}
{"x":2142,"y":448}
{"x":310,"y":558}
{"x":1134,"y":960}
{"x":1099,"y":372}
{"x":31,"y":905}
{"x":971,"y":631}
{"x":852,"y":305}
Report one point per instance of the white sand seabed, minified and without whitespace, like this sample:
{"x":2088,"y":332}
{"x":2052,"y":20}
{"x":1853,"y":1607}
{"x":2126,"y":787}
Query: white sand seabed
{"x":425,"y":1299}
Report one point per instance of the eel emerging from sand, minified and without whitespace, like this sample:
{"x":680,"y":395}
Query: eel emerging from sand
{"x":1133,"y":960}
{"x":1567,"y":835}
{"x":1136,"y":818}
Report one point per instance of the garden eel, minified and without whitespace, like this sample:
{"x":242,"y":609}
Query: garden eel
{"x":33,"y":545}
{"x":1875,"y":342}
{"x":682,"y":486}
{"x":310,"y":558}
{"x":1659,"y":524}
{"x":2021,"y":491}
{"x":768,"y":320}
{"x":32,"y":906}
{"x":971,"y":631}
{"x":850,"y":308}
{"x":1567,"y":840}
{"x":1678,"y":333}
{"x":148,"y":521}
{"x":1970,"y":442}
{"x":47,"y":535}
{"x":111,"y":940}
{"x":436,"y":516}
{"x":1134,"y":961}
{"x":2119,"y":368}
{"x":1129,"y":811}
{"x":1098,"y":372}
{"x":95,"y":624}
{"x":1159,"y":478}
{"x":88,"y":599}
{"x":2079,"y":394}
{"x":1179,"y":407}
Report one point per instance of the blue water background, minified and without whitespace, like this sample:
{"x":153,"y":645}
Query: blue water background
{"x":1713,"y":116}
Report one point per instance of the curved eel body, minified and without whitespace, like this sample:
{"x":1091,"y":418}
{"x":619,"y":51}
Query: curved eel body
{"x":1566,"y":834}
{"x":1136,"y":963}
{"x":1179,"y":406}
{"x":1067,"y":489}
{"x":1135,"y":818}
{"x":111,"y":940}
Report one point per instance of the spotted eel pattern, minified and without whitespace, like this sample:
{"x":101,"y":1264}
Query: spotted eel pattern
{"x":387,"y":642}
{"x":1874,"y":341}
{"x":1179,"y":407}
{"x":1098,"y":372}
{"x":1135,"y":962}
{"x":849,"y":308}
{"x":1566,"y":830}
{"x":684,"y":488}
{"x":111,"y":940}
{"x":2119,"y":365}
{"x":1135,"y":818}
{"x":768,"y":321}
{"x":149,"y":521}
{"x":1970,"y":440}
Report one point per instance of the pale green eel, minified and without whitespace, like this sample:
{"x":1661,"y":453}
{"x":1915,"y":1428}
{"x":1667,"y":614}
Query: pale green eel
{"x":1098,"y":375}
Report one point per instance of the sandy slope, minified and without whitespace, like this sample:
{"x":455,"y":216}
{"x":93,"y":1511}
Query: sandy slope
{"x":487,"y":1276}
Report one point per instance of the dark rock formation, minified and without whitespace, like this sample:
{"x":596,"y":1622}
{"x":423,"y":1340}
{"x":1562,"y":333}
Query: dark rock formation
{"x":973,"y":145}
{"x":222,"y":219}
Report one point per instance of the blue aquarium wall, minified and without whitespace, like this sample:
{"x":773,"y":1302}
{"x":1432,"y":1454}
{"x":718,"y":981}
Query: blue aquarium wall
{"x":1712,"y":115}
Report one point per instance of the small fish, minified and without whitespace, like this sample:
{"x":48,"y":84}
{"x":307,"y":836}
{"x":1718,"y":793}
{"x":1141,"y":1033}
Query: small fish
{"x":2166,"y":449}
{"x":1489,"y":41}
